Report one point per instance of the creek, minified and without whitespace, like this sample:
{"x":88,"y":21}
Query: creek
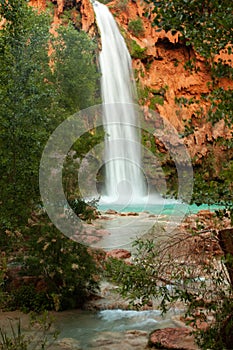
{"x":88,"y":327}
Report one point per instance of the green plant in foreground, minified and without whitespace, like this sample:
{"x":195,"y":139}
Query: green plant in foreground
{"x":67,"y":268}
{"x":170,"y":270}
{"x":41,"y":338}
{"x":15,"y":341}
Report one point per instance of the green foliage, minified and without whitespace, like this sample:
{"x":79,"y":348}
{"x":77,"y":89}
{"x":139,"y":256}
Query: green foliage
{"x":17,"y":340}
{"x":207,"y":26}
{"x":222,"y":68}
{"x":212,"y":189}
{"x":80,"y":148}
{"x":135,"y":26}
{"x":75,"y":70}
{"x":220,"y":335}
{"x":121,"y":5}
{"x":86,"y":211}
{"x":163,"y":270}
{"x":37,"y":93}
{"x":26,"y":298}
{"x":135,"y":50}
{"x":156,"y":100}
{"x":183,"y":101}
{"x":190,"y":66}
{"x":65,"y":266}
{"x":143,"y":92}
{"x":221,"y":107}
{"x":25,"y":107}
{"x":105,"y":1}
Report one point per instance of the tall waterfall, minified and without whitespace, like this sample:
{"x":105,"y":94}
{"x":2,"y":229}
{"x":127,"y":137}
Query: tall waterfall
{"x":124,"y":179}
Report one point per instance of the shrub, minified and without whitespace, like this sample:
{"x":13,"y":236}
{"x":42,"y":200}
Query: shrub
{"x":135,"y":50}
{"x":135,"y":26}
{"x":105,"y":1}
{"x":86,"y":211}
{"x":121,"y":5}
{"x":67,"y":268}
{"x":156,"y":100}
{"x":27,"y":298}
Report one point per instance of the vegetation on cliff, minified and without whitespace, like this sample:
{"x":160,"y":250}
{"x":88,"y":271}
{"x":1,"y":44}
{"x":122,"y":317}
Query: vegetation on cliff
{"x":207,"y":28}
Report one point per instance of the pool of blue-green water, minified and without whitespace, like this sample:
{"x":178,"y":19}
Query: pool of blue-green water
{"x":160,"y":209}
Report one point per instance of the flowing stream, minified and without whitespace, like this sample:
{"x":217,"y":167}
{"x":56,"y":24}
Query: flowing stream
{"x":107,"y":328}
{"x":124,"y":180}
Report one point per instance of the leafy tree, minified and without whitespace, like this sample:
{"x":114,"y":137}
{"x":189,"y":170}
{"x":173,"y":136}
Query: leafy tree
{"x":37,"y":93}
{"x":25,"y":102}
{"x":75,"y":70}
{"x":178,"y":268}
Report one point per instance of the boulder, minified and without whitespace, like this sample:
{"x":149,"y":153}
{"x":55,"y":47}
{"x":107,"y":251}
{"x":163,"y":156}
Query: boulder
{"x":111,"y":212}
{"x":130,"y":340}
{"x":172,"y":339}
{"x":118,"y":254}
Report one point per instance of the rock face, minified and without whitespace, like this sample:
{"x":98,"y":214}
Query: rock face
{"x":79,"y":12}
{"x":162,"y":75}
{"x":172,"y":339}
{"x":162,"y":79}
{"x":162,"y":66}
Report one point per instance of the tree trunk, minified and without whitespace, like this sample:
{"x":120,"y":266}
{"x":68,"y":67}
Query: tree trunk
{"x":226,"y":243}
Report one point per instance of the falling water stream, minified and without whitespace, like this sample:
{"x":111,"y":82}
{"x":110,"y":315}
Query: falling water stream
{"x":124,"y":180}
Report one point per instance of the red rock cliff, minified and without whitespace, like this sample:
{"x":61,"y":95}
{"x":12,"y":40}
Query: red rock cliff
{"x":160,"y":71}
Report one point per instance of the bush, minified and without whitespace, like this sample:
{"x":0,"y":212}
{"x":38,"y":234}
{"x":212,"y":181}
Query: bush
{"x":135,"y":26}
{"x":121,"y":5}
{"x":86,"y":211}
{"x":66,"y":267}
{"x":27,"y":298}
{"x":156,"y":100}
{"x":105,"y":1}
{"x":135,"y":50}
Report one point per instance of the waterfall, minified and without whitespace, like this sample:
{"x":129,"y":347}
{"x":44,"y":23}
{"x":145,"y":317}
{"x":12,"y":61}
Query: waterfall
{"x":124,"y":179}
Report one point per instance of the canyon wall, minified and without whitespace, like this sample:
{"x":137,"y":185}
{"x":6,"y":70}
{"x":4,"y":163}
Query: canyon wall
{"x":159,"y":61}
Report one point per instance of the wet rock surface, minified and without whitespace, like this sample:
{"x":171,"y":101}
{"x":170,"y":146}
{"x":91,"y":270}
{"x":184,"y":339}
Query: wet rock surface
{"x":66,"y":344}
{"x":129,"y":340}
{"x":172,"y":339}
{"x":118,"y":254}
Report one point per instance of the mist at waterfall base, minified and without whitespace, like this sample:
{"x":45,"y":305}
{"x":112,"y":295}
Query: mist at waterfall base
{"x":126,"y":187}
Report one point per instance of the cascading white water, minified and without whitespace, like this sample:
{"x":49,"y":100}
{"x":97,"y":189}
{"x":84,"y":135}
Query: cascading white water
{"x":124,"y":180}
